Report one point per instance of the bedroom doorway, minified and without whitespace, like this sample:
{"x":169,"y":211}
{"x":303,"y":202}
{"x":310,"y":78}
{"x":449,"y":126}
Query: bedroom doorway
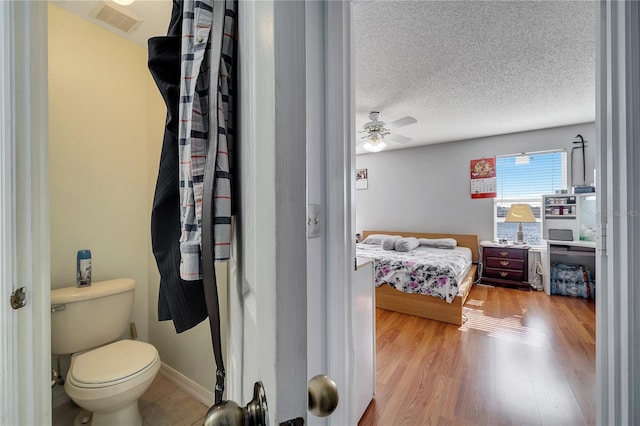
{"x":508,"y":322}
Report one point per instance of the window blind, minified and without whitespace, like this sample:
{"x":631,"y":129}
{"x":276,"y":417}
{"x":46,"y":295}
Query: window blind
{"x":524,"y":178}
{"x":530,"y":175}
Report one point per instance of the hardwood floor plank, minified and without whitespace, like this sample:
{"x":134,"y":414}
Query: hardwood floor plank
{"x":556,"y":401}
{"x":520,"y":358}
{"x":515,"y":401}
{"x":476,"y":400}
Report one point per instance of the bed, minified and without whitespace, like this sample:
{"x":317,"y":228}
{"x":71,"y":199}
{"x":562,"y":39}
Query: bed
{"x":422,"y":305}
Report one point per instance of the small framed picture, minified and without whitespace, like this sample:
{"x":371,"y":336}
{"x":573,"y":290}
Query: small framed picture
{"x":362,"y":177}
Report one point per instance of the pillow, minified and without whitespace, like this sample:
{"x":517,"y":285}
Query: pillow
{"x":407,"y":244}
{"x":374,"y":239}
{"x":441,"y":243}
{"x":389,"y":243}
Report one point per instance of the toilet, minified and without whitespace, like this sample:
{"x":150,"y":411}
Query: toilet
{"x":107,"y":375}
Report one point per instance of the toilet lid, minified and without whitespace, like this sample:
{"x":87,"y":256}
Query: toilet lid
{"x":112,"y":363}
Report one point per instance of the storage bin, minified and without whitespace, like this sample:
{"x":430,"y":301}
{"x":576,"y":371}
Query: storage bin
{"x":572,"y":280}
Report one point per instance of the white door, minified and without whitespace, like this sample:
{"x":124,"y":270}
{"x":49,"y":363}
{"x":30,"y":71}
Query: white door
{"x":25,"y":390}
{"x":296,"y":148}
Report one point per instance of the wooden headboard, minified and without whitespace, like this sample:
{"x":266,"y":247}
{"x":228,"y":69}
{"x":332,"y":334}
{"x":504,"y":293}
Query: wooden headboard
{"x":464,"y":240}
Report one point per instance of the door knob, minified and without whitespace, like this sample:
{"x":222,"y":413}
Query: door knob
{"x":323,"y":395}
{"x":323,"y":400}
{"x":228,"y":413}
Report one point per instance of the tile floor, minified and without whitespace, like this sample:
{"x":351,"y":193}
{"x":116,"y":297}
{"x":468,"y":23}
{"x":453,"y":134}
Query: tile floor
{"x":163,"y":404}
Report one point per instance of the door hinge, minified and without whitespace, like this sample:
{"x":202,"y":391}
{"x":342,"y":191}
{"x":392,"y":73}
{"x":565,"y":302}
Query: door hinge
{"x":298,"y":421}
{"x":603,"y":239}
{"x":18,"y":298}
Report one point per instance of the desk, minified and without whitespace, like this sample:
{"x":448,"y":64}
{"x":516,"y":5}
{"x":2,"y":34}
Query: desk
{"x":570,"y":252}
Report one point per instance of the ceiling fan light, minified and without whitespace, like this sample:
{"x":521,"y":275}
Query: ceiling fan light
{"x":123,"y":2}
{"x":374,"y":145}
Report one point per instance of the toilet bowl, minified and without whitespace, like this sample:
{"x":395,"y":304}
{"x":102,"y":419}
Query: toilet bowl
{"x":106,"y":376}
{"x":109,"y":380}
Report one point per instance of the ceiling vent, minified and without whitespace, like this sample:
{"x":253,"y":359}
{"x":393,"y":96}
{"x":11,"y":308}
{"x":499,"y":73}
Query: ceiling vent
{"x":116,"y":17}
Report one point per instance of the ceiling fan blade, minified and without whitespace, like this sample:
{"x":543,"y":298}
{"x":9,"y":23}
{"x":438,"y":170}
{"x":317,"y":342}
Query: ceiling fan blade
{"x":393,"y":137}
{"x":404,"y":121}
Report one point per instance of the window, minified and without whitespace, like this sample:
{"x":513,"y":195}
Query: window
{"x":524,"y":178}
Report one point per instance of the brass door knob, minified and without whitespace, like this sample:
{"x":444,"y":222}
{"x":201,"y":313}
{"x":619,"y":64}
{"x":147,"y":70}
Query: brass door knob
{"x":323,"y":395}
{"x":228,"y":413}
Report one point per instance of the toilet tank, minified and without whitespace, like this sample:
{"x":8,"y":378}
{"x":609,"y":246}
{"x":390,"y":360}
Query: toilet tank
{"x":86,"y":317}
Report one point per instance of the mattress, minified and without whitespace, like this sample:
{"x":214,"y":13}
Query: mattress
{"x":425,"y":270}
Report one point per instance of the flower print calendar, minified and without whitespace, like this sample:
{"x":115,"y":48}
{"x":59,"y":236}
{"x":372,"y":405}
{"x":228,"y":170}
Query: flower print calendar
{"x":483,"y":178}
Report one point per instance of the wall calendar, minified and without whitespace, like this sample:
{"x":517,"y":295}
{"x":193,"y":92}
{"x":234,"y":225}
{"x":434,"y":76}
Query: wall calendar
{"x":483,"y":178}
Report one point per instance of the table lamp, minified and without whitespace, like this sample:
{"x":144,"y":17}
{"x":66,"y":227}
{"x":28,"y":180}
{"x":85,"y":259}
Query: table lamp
{"x":520,"y":213}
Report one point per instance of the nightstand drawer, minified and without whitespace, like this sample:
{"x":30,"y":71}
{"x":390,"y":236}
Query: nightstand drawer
{"x":505,"y":263}
{"x":504,"y":274}
{"x":505,"y":252}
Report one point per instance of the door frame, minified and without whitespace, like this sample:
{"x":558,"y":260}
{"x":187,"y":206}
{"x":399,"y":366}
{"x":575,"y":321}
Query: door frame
{"x":340,"y":182}
{"x":618,"y":182}
{"x":26,"y":395}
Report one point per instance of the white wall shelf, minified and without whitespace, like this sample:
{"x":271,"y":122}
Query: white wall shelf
{"x":573,"y":212}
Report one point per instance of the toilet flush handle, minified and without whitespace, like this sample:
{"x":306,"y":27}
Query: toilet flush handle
{"x":60,"y":307}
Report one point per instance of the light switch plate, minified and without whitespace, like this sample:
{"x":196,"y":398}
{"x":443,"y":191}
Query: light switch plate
{"x":313,"y":220}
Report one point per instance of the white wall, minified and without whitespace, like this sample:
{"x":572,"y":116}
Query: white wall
{"x":427,"y":189}
{"x":97,"y":153}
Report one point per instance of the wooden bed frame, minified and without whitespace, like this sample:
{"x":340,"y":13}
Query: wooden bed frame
{"x":421,"y":305}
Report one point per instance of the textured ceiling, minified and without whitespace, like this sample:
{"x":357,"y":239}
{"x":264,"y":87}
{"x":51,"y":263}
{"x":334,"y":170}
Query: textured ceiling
{"x":155,"y":15}
{"x":474,"y":68}
{"x":463,"y":69}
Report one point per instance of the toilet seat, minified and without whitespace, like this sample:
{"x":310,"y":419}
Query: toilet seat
{"x":112,"y":364}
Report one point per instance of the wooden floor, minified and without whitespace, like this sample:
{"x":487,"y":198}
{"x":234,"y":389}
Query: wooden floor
{"x":522,"y":358}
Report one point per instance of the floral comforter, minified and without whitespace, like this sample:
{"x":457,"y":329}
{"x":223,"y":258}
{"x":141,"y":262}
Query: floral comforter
{"x":425,"y":270}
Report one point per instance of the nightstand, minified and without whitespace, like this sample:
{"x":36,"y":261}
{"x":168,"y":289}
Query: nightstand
{"x":506,"y":266}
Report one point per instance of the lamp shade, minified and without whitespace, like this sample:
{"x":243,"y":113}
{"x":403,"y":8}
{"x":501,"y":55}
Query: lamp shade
{"x":520,"y":213}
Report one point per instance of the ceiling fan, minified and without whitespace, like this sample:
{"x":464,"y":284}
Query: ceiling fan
{"x":377,"y":131}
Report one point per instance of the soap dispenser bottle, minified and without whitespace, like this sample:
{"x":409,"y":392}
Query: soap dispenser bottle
{"x":83,"y":265}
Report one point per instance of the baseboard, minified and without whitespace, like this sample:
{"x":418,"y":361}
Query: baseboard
{"x":187,"y":385}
